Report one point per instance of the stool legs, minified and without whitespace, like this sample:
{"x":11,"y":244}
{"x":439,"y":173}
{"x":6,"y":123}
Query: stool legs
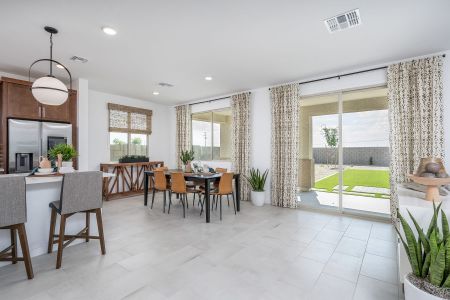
{"x":25,"y":250}
{"x":62,"y":228}
{"x":52,"y":231}
{"x":88,"y":222}
{"x":98,"y":213}
{"x":14,"y":245}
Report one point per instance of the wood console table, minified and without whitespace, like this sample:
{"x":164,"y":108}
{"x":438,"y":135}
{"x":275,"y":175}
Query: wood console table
{"x":129,"y":179}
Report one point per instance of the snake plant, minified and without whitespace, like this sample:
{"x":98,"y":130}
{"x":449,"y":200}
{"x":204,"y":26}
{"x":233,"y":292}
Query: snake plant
{"x":429,"y":253}
{"x":257,"y":180}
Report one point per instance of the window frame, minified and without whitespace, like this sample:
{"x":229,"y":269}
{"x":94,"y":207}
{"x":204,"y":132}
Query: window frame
{"x":147,"y":136}
{"x":212,"y":130}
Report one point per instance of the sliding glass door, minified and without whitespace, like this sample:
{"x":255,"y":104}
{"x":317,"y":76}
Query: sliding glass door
{"x":344,"y":151}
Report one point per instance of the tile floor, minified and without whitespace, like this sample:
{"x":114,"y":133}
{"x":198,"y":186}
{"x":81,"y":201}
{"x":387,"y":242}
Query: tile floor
{"x":263,"y":253}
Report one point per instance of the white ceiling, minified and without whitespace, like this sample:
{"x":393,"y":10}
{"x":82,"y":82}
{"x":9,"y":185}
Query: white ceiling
{"x":242,"y":44}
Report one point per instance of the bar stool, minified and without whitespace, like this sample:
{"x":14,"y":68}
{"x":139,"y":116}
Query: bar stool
{"x":81,"y":192}
{"x":13,"y":215}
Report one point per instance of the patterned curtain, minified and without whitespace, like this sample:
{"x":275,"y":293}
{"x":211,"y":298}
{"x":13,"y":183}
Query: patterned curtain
{"x":183,"y":130}
{"x":240,"y":108}
{"x":285,"y":144}
{"x":415,"y":116}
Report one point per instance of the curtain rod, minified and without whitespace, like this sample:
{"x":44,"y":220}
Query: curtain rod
{"x":212,"y":100}
{"x":347,"y":74}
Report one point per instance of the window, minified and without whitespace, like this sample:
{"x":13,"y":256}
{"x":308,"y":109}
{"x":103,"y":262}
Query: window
{"x":211,"y":135}
{"x":129,"y":128}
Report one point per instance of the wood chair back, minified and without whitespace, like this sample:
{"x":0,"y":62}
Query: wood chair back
{"x":160,"y":180}
{"x":178,"y":183}
{"x":221,"y":170}
{"x":226,"y":184}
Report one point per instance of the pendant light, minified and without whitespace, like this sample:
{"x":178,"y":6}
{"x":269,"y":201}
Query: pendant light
{"x":48,"y":89}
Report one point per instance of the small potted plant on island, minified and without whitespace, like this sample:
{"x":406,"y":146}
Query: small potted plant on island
{"x":67,"y":153}
{"x":257,"y":181}
{"x":429,"y":256}
{"x":186,"y":157}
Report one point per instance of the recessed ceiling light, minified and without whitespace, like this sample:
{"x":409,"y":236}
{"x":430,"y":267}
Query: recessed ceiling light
{"x":156,"y":93}
{"x":109,"y":30}
{"x":59,"y":66}
{"x":208,"y":78}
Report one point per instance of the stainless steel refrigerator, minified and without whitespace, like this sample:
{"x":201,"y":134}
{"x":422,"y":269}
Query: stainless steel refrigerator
{"x":28,"y":140}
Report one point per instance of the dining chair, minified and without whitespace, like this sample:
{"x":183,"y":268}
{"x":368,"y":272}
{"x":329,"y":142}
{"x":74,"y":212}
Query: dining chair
{"x":160,"y":185}
{"x":225,"y":188}
{"x":81,"y":192}
{"x":161,"y":169}
{"x":13,"y":216}
{"x":179,"y":187}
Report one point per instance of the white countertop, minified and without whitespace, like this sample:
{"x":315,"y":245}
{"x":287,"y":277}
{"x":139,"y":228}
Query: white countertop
{"x":50,"y":179}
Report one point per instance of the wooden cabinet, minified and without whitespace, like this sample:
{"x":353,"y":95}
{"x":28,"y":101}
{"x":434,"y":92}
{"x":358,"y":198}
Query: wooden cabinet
{"x":58,"y":113}
{"x":20,"y":102}
{"x":17,"y":101}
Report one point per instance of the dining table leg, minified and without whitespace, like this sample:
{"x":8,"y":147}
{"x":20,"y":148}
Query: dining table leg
{"x":238,"y":192}
{"x":145,"y":188}
{"x":206,"y":206}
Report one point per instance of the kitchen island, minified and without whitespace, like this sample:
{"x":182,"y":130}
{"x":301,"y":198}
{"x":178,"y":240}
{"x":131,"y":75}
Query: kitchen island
{"x":40,"y":191}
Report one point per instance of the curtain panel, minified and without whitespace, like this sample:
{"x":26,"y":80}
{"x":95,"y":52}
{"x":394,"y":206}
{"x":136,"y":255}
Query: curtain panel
{"x":415,"y":117}
{"x":240,"y":108}
{"x":285,"y":144}
{"x":183,"y":130}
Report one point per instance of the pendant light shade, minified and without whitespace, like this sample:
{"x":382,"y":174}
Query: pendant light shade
{"x":49,"y":90}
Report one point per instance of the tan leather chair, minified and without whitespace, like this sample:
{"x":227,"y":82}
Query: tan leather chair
{"x":179,"y":187}
{"x":160,"y":184}
{"x":225,"y":188}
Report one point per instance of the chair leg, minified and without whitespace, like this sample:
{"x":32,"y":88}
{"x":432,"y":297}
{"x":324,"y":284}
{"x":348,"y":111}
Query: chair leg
{"x":200,"y":202}
{"x":98,"y":213}
{"x":220,"y":208}
{"x":193,"y":200}
{"x":25,"y":250}
{"x":164,"y":207}
{"x":182,"y":202}
{"x":234,"y":202}
{"x":228,"y":200}
{"x":51,"y":231}
{"x":217,"y":200}
{"x":170,"y":201}
{"x":14,"y":245}
{"x":186,"y":200}
{"x":153,"y":198}
{"x":62,"y":228}
{"x":88,"y":224}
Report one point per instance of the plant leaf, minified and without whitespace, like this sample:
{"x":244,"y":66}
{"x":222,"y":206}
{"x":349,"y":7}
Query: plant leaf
{"x":412,"y":246}
{"x":437,"y":267}
{"x":426,"y":265}
{"x":445,"y":229}
{"x":422,"y":236}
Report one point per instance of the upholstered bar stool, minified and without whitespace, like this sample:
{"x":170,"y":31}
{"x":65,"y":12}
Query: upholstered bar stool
{"x":13,"y":215}
{"x":81,"y":192}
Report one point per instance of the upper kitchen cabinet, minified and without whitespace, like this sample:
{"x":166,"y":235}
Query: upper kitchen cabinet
{"x":19,"y":101}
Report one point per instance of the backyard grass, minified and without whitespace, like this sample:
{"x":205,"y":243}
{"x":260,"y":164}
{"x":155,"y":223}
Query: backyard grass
{"x":356,"y":177}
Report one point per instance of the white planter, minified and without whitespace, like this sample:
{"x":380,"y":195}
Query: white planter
{"x":414,"y":293}
{"x":67,"y":167}
{"x":257,"y":198}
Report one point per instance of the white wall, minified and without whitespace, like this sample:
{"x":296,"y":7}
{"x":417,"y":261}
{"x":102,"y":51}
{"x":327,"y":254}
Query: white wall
{"x":159,"y":141}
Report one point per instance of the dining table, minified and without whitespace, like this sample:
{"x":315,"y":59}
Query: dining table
{"x":202,"y":178}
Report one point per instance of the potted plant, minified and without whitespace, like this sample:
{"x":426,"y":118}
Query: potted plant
{"x":186,"y":157}
{"x":257,"y":181}
{"x":429,"y":256}
{"x":67,"y":152}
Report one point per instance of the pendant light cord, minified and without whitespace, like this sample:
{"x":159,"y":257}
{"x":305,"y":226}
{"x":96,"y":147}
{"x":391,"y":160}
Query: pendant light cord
{"x":51,"y":54}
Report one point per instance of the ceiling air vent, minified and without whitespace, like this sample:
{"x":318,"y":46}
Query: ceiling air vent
{"x":165,"y":84}
{"x":346,"y":20}
{"x":79,"y":59}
